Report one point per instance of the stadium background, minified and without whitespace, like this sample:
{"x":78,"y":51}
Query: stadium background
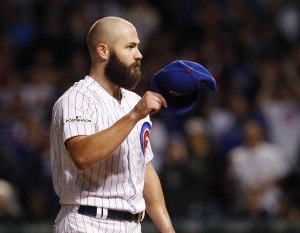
{"x":251,"y":47}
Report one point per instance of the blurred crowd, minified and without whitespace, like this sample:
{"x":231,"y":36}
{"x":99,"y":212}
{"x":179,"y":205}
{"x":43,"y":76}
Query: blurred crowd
{"x":236,"y":155}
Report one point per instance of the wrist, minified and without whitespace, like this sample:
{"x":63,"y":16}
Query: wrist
{"x":133,"y":116}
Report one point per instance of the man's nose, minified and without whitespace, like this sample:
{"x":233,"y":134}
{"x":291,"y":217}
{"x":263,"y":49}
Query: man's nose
{"x":138,"y":55}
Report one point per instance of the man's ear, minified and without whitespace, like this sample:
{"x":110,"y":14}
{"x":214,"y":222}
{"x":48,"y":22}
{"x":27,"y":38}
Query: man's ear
{"x":103,"y":51}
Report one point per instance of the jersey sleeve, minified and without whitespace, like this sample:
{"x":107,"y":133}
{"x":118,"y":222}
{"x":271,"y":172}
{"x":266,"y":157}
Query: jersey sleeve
{"x":149,"y":154}
{"x":76,"y":115}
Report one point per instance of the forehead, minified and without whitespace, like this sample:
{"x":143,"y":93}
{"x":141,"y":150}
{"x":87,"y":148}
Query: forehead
{"x":126,"y":34}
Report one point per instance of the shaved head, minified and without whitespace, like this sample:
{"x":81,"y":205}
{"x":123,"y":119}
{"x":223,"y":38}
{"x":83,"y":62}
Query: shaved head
{"x":115,"y":57}
{"x":106,"y":30}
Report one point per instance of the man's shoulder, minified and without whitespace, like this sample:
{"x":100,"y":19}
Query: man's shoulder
{"x":84,"y":85}
{"x":82,"y":88}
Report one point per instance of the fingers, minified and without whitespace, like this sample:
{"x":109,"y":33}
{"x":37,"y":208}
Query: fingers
{"x":150,"y":103}
{"x":158,"y":98}
{"x":162,"y":99}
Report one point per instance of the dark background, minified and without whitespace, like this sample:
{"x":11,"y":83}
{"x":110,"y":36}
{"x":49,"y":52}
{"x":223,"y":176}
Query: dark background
{"x":252,"y":49}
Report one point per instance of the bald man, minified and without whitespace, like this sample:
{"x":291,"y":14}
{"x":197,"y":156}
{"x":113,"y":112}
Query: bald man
{"x":100,"y":150}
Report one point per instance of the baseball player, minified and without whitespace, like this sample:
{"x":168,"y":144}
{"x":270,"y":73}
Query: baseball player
{"x":100,"y":150}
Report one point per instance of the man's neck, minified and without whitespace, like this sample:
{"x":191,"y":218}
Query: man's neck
{"x":112,"y":89}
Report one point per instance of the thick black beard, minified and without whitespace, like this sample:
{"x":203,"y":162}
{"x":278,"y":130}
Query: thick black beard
{"x":121,"y":75}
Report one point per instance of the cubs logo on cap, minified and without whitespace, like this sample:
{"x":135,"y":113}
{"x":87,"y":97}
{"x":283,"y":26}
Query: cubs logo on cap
{"x":179,"y":83}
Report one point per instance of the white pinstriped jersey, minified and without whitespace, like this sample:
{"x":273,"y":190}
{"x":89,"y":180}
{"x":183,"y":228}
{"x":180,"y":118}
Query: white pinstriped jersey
{"x":116,"y":183}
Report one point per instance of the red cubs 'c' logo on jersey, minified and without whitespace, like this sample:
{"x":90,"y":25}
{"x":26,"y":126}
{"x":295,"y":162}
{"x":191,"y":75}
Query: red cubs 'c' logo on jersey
{"x":144,"y":136}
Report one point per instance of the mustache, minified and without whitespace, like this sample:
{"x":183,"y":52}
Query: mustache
{"x":137,"y":64}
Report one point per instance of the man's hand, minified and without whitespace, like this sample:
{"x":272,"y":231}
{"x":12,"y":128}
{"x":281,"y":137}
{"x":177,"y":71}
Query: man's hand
{"x":150,"y":103}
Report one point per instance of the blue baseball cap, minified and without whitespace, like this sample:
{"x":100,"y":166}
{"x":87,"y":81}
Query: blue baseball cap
{"x":179,"y":83}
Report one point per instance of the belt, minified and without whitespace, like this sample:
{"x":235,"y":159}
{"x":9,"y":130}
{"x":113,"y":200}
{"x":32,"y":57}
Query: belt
{"x":110,"y":214}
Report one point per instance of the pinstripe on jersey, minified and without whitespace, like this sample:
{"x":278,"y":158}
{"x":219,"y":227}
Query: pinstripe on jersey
{"x":116,"y":183}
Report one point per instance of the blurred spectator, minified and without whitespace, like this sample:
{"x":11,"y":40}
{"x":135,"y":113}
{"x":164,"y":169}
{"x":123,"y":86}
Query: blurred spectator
{"x":227,"y":122}
{"x":178,"y":181}
{"x":40,"y":206}
{"x":288,"y":20}
{"x":145,"y":17}
{"x":278,"y":99}
{"x":10,"y":209}
{"x":8,"y":169}
{"x":255,"y":170}
{"x":290,"y":205}
{"x":207,"y":166}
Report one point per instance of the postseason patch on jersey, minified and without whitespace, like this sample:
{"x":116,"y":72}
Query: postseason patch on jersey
{"x":144,"y":136}
{"x":78,"y":119}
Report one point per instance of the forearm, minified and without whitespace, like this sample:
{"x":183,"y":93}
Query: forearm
{"x":160,"y":217}
{"x":89,"y":150}
{"x":155,"y":203}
